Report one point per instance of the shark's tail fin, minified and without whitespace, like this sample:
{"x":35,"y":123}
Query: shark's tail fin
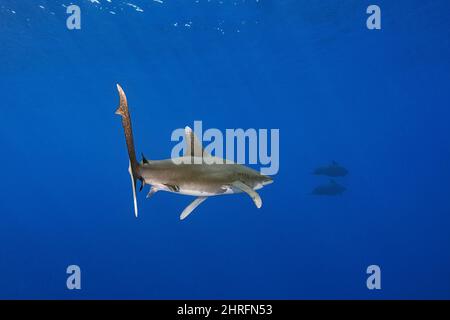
{"x":122,"y":110}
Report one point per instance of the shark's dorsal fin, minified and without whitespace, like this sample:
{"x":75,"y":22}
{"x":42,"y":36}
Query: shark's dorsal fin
{"x":194,"y":204}
{"x":334,"y":163}
{"x":144,"y":159}
{"x":252,"y":193}
{"x":194,"y":147}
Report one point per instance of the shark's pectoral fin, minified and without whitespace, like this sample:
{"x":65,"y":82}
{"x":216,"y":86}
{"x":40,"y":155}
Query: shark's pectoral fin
{"x":252,"y":193}
{"x":194,"y":204}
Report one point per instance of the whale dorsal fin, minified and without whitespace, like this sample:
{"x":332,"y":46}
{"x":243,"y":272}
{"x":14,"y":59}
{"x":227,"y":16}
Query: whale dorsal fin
{"x":194,"y":147}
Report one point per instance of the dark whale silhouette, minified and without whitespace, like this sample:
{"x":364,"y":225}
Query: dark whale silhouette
{"x":330,"y":189}
{"x":332,"y":170}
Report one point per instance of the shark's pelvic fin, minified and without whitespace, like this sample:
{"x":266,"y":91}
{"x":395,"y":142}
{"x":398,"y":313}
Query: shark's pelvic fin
{"x":172,"y":187}
{"x":252,"y":193}
{"x":194,"y":204}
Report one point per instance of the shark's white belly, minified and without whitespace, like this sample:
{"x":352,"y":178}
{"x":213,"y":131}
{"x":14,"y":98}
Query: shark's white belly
{"x":195,"y":192}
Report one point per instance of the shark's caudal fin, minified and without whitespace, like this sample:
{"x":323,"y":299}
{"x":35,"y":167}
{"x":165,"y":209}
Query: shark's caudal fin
{"x":122,"y":110}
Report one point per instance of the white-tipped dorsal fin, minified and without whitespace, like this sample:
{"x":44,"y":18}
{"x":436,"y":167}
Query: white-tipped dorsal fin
{"x":194,"y":204}
{"x":252,"y":193}
{"x":194,"y":147}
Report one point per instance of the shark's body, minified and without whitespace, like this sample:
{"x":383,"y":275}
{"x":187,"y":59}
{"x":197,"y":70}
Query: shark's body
{"x":191,"y":174}
{"x":199,"y":179}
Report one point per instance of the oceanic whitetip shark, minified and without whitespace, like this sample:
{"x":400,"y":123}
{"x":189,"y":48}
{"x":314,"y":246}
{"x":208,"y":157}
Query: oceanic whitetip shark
{"x":188,"y":175}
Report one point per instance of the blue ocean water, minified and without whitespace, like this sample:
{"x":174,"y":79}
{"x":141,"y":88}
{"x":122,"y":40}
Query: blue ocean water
{"x":376,"y":101}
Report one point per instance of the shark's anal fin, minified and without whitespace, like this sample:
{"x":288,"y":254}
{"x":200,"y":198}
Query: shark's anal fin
{"x":252,"y":193}
{"x":142,"y":185}
{"x":194,"y":204}
{"x":152,"y":191}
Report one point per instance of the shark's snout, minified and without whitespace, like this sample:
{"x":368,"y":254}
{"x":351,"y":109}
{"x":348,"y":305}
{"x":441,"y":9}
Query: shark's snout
{"x":267,"y":180}
{"x":262,"y":181}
